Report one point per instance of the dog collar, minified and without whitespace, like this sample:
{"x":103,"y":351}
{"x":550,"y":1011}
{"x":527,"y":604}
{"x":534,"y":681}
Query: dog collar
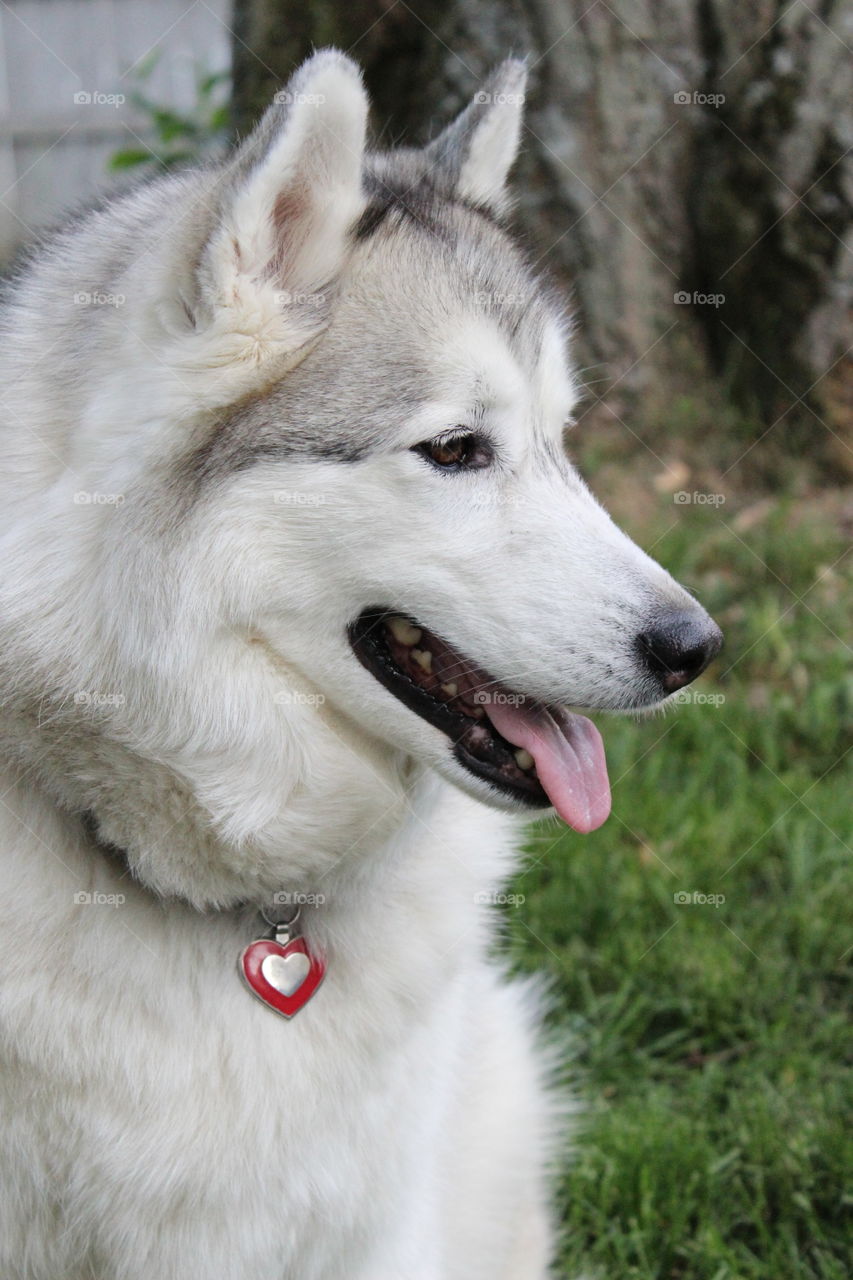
{"x":280,"y":969}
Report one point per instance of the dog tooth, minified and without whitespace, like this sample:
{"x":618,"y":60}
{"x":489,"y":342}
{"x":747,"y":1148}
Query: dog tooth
{"x":423,"y":658}
{"x":450,"y":689}
{"x":477,"y":712}
{"x":403,"y":631}
{"x":524,"y":759}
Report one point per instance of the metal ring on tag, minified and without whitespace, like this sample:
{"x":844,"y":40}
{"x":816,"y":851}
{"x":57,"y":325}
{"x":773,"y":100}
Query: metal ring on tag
{"x":279,"y":919}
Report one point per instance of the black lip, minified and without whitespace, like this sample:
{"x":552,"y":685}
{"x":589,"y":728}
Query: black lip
{"x":489,"y":762}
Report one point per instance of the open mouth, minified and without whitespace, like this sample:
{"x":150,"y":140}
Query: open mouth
{"x":531,"y":753}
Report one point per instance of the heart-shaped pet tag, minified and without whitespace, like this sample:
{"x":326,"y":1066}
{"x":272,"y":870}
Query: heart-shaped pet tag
{"x":284,"y":977}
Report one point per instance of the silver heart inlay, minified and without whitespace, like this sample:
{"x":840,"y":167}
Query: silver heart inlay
{"x":286,"y":973}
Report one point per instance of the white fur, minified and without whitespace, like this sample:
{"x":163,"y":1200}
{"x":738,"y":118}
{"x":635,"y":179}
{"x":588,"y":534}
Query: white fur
{"x":180,"y":670}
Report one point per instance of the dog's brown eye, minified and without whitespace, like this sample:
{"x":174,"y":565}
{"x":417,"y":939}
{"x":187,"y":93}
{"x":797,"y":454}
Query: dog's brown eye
{"x":450,"y":453}
{"x":453,"y":453}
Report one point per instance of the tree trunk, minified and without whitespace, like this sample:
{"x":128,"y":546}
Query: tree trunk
{"x":684,"y":172}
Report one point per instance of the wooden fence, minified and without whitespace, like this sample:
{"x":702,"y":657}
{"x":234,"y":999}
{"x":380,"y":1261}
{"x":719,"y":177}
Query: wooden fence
{"x":67,"y":72}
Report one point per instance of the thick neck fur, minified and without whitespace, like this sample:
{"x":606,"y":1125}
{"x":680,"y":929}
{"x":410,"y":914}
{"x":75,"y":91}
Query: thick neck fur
{"x":347,"y":802}
{"x":397,"y":860}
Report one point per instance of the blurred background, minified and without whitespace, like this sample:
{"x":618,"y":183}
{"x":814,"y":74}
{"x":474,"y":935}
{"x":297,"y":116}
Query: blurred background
{"x":687,"y":177}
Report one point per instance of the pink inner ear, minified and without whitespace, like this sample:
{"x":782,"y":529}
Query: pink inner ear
{"x":290,"y":211}
{"x":289,"y":207}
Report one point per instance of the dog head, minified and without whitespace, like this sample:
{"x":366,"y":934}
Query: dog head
{"x":423,"y":481}
{"x":350,"y":535}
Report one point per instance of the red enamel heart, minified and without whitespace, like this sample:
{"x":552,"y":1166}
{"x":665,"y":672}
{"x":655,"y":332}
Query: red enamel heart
{"x":284,"y":977}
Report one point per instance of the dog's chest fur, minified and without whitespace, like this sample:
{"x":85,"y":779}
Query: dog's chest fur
{"x":184,"y":1127}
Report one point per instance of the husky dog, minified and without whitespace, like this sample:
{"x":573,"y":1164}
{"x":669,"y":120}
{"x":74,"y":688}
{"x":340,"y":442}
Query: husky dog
{"x":298,"y":588}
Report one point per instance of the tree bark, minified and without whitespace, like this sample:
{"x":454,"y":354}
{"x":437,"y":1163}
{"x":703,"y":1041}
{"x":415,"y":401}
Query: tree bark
{"x":672,"y":149}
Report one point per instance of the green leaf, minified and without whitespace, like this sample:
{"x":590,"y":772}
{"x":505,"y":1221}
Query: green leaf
{"x":209,"y":83}
{"x":170,"y":125}
{"x":219,"y":119}
{"x":130,"y":158}
{"x":180,"y":137}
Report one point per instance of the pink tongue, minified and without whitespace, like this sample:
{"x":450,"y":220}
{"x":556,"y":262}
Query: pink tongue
{"x":569,"y":757}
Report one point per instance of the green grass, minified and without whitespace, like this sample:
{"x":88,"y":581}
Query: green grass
{"x":714,"y":1041}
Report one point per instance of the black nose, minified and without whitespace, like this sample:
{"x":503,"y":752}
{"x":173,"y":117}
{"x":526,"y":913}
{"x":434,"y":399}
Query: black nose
{"x":679,"y":646}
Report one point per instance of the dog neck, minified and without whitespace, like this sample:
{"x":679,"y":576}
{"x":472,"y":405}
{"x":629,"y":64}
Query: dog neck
{"x":222,"y":837}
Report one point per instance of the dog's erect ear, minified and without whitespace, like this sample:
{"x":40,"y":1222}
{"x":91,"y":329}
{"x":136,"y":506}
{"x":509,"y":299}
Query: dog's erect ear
{"x":477,"y":150}
{"x":285,"y":204}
